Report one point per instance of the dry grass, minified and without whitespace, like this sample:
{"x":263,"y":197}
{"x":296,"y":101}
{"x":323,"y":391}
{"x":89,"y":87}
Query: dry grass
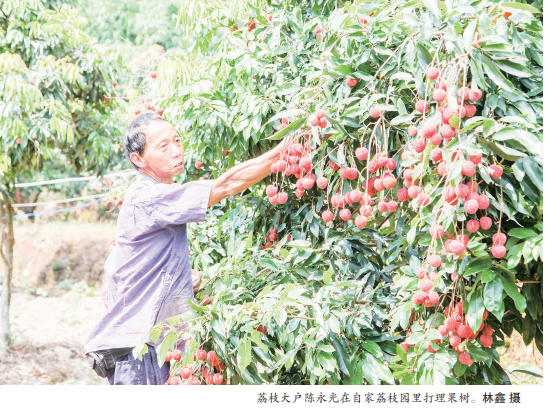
{"x":516,"y":356}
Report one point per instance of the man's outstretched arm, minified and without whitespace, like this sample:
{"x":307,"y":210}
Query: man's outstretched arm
{"x":243,"y":176}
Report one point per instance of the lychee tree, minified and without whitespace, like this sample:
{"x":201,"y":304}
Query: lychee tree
{"x":57,"y":96}
{"x":399,"y":236}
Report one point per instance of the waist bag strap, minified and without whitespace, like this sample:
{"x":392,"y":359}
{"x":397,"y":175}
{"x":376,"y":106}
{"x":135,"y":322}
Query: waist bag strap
{"x":103,"y":361}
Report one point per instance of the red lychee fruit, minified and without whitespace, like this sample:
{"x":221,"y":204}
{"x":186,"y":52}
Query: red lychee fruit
{"x":168,"y":356}
{"x":426,"y":285}
{"x":430,"y":348}
{"x":476,"y":158}
{"x":498,"y":251}
{"x":361,"y":221}
{"x":153,"y":74}
{"x":206,"y":300}
{"x":436,"y":154}
{"x":218,"y":378}
{"x":391,"y":165}
{"x":433,"y":297}
{"x":499,"y":238}
{"x":389,"y":182}
{"x":472,"y":225}
{"x":419,"y":297}
{"x":432,"y":72}
{"x":421,"y":106}
{"x":319,"y":113}
{"x":436,"y":139}
{"x":402,"y":195}
{"x":464,"y":331}
{"x":475,"y":95}
{"x":174,"y":381}
{"x":464,"y":358}
{"x":404,"y":346}
{"x":201,"y":354}
{"x":176,"y":355}
{"x":443,"y":330}
{"x":428,"y":130}
{"x":374,"y":112}
{"x":471,"y":206}
{"x":314,"y":121}
{"x":439,"y":95}
{"x":322,"y":123}
{"x":463,"y":93}
{"x":322,"y":182}
{"x":436,"y":231}
{"x":356,"y":195}
{"x":434,"y":260}
{"x":462,"y":191}
{"x":392,"y":206}
{"x":496,"y":171}
{"x":470,"y":110}
{"x":419,"y":145}
{"x":442,"y":168}
{"x":382,"y":206}
{"x":413,"y":191}
{"x":487,"y":330}
{"x":447,"y":131}
{"x":455,"y":341}
{"x":345,"y":214}
{"x":483,"y":201}
{"x":308,"y":183}
{"x":333,"y":165}
{"x":362,"y":153}
{"x":423,"y":199}
{"x":366,"y":210}
{"x":421,"y":273}
{"x":486,"y":340}
{"x":468,"y":168}
{"x":327,"y":216}
{"x":412,"y":130}
{"x":485,"y":222}
{"x":282,"y":197}
{"x":457,"y":248}
{"x":351,"y":82}
{"x":185,"y":373}
{"x":271,"y":190}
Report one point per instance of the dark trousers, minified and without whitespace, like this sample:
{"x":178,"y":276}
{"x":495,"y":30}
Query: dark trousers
{"x":131,"y":371}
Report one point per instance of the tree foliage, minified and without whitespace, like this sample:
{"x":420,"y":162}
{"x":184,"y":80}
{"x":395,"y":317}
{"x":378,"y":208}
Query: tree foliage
{"x":330,"y":301}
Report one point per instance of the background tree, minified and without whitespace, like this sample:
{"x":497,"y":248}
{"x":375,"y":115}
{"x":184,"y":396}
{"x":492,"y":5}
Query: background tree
{"x":58,"y":95}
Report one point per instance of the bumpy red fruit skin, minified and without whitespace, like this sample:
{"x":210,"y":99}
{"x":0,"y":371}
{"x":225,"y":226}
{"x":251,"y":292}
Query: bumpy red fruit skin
{"x":366,"y":210}
{"x":486,"y":340}
{"x":333,"y":165}
{"x":496,"y":171}
{"x":430,"y":348}
{"x":434,"y":260}
{"x":476,"y":159}
{"x":475,"y":95}
{"x":402,"y":195}
{"x":319,"y":113}
{"x":468,"y":168}
{"x":322,"y":182}
{"x":428,"y":130}
{"x":218,"y":378}
{"x":436,"y":154}
{"x":463,"y":93}
{"x":483,"y":201}
{"x":464,"y":331}
{"x":464,"y":358}
{"x":436,"y":231}
{"x":174,"y":381}
{"x":471,"y":206}
{"x":498,"y":251}
{"x":206,"y":300}
{"x":448,"y":113}
{"x":389,"y":182}
{"x":412,"y":130}
{"x":201,"y":354}
{"x":168,"y":357}
{"x":282,"y":198}
{"x":362,"y":153}
{"x":421,"y":273}
{"x":487,"y":330}
{"x":391,"y":165}
{"x":327,"y":216}
{"x":439,"y":95}
{"x":345,"y":214}
{"x":176,"y":355}
{"x":499,"y":238}
{"x":308,"y":183}
{"x":351,"y":82}
{"x":314,"y":121}
{"x":455,"y":341}
{"x":421,"y":106}
{"x":457,"y":247}
{"x":443,"y":330}
{"x":473,"y":225}
{"x":442,"y":168}
{"x":185,"y":373}
{"x":423,"y":199}
{"x":392,"y":206}
{"x":485,"y":222}
{"x":413,"y":191}
{"x":426,"y":285}
{"x":432,"y":72}
{"x":379,"y":184}
{"x":433,"y":297}
{"x":382,"y":206}
{"x":436,"y":139}
{"x":470,"y":110}
{"x":451,"y":324}
{"x":322,"y":123}
{"x":447,"y":131}
{"x":374,"y":112}
{"x":419,"y":297}
{"x":271,"y":190}
{"x":404,"y":346}
{"x":361,"y":221}
{"x":461,"y":190}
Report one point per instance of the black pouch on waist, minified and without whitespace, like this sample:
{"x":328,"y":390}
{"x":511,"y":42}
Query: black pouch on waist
{"x":103,"y":361}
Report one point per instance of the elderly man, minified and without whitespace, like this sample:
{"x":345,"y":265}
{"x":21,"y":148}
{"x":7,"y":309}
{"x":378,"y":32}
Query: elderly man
{"x":152,"y":279}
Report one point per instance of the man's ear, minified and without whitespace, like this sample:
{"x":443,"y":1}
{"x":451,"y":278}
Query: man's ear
{"x":137,"y":160}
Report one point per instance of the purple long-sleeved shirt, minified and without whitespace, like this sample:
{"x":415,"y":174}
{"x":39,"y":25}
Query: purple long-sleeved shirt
{"x":152,"y":278}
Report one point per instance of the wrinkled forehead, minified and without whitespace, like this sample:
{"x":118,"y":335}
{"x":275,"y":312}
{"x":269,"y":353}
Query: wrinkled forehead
{"x":159,"y":130}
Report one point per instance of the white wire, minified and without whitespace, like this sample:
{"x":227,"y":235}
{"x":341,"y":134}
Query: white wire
{"x":60,"y":201}
{"x":55,"y":181}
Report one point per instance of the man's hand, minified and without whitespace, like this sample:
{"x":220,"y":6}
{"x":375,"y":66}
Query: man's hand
{"x":196,"y":282}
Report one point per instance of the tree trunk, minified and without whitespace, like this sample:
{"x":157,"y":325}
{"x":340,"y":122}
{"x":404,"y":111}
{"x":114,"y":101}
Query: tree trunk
{"x":8,"y":240}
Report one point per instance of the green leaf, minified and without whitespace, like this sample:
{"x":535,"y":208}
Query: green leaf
{"x":286,"y":113}
{"x":527,"y":139}
{"x":244,"y":354}
{"x":522,"y":6}
{"x":295,"y":125}
{"x":522,"y":233}
{"x":475,"y":310}
{"x":477,"y":265}
{"x":512,"y":290}
{"x":495,"y":74}
{"x":469,"y":33}
{"x":300,"y":244}
{"x":342,"y":357}
{"x":487,"y":275}
{"x":493,"y":292}
{"x":373,"y":348}
{"x":432,"y":6}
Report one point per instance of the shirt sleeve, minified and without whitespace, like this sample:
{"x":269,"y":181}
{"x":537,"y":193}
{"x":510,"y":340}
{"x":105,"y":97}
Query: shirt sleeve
{"x":175,"y":204}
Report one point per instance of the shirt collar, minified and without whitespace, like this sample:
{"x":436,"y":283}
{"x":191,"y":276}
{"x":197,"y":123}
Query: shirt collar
{"x":146,"y":178}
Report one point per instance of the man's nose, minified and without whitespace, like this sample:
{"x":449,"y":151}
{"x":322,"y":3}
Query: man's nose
{"x":176,"y":152}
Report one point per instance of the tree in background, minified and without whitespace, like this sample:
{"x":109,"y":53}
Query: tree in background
{"x":401,"y":249}
{"x":58,"y":95}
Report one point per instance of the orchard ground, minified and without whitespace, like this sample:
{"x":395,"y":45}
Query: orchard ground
{"x":56,"y":301}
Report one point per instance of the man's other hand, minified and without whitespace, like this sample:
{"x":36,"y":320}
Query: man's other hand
{"x":196,"y":282}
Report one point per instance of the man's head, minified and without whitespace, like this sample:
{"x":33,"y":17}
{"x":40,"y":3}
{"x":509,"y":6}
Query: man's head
{"x":154,"y":147}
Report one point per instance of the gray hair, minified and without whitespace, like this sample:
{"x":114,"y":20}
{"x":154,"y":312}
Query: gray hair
{"x":134,"y":139}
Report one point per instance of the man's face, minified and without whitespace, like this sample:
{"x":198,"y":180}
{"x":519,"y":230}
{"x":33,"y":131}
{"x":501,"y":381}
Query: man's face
{"x":164,"y":153}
